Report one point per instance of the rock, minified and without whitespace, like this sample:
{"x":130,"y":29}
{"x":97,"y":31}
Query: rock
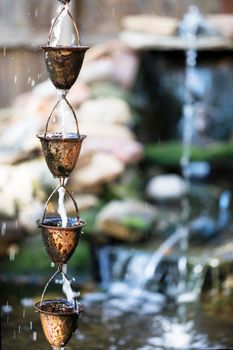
{"x":102,"y":169}
{"x":10,"y":234}
{"x":105,"y":110}
{"x":84,"y":201}
{"x":79,"y":93}
{"x":126,"y":220}
{"x":113,"y":61}
{"x":105,"y":131}
{"x":156,"y":25}
{"x":166,"y":187}
{"x":22,"y":184}
{"x":222,"y":23}
{"x":29,"y":215}
{"x":129,"y":152}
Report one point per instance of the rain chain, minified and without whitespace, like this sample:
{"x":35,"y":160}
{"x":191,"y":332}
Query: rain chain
{"x":61,"y":150}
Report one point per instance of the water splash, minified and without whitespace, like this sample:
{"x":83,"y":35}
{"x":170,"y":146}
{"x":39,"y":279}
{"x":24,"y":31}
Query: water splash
{"x":71,"y":295}
{"x":159,"y":254}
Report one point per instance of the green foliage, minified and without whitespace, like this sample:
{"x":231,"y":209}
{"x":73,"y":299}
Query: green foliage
{"x":33,"y":260}
{"x":169,"y":154}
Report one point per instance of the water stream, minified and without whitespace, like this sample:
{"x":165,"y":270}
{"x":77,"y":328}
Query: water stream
{"x":57,"y":29}
{"x":159,"y":254}
{"x":61,"y":206}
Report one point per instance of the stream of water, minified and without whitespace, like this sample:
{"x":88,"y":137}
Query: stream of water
{"x":57,"y":29}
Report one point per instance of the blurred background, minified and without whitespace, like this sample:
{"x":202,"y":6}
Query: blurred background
{"x":153,"y":181}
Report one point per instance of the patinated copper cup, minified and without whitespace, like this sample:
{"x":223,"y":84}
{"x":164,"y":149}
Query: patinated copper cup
{"x":60,"y":242}
{"x":61,"y":153}
{"x":64,"y":64}
{"x":64,"y":1}
{"x":59,"y":319}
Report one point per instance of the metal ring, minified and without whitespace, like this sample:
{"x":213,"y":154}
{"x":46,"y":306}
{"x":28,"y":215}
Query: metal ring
{"x":73,"y":22}
{"x":72,"y":110}
{"x":52,"y":194}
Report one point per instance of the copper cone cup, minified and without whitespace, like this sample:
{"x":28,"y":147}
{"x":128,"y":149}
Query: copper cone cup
{"x":61,"y":153}
{"x":60,"y":242}
{"x":64,"y":64}
{"x":59,"y":320}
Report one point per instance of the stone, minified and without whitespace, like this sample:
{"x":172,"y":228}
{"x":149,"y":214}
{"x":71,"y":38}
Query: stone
{"x":166,"y":187}
{"x":105,"y":131}
{"x":156,"y":25}
{"x":103,"y":168}
{"x":113,"y":61}
{"x":84,"y":201}
{"x":105,"y":110}
{"x":22,"y":184}
{"x":222,"y":23}
{"x":129,"y":152}
{"x":128,"y":220}
{"x":30,"y":214}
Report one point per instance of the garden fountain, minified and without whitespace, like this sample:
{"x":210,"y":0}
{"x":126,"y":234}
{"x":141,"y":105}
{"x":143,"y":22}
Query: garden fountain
{"x":61,"y":151}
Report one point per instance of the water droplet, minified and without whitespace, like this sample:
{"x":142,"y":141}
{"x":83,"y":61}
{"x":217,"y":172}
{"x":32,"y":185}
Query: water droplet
{"x":24,"y":313}
{"x":3,"y":229}
{"x":19,"y":329}
{"x":26,"y":302}
{"x":34,"y":336}
{"x":12,"y":250}
{"x":52,"y":264}
{"x":30,"y":325}
{"x":14,"y":334}
{"x":7,"y":309}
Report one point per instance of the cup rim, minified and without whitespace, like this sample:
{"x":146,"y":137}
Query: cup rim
{"x":38,"y":306}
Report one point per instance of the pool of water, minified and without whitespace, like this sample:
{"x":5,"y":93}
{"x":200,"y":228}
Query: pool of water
{"x":122,"y":319}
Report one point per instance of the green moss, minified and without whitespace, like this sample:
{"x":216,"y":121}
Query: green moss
{"x":32,"y":259}
{"x":136,"y":223}
{"x":169,"y":154}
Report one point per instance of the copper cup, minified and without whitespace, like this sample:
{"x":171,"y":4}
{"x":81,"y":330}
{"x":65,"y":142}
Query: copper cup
{"x":64,"y":64}
{"x":61,"y":153}
{"x":60,"y":242}
{"x":59,"y":319}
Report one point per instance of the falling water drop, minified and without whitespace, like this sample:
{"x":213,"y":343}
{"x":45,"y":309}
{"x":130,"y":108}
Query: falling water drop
{"x":30,"y":325}
{"x":34,"y":336}
{"x":19,"y":329}
{"x":14,"y":334}
{"x":3,"y":229}
{"x":24,"y":313}
{"x":12,"y":250}
{"x":52,"y":264}
{"x":7,"y":309}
